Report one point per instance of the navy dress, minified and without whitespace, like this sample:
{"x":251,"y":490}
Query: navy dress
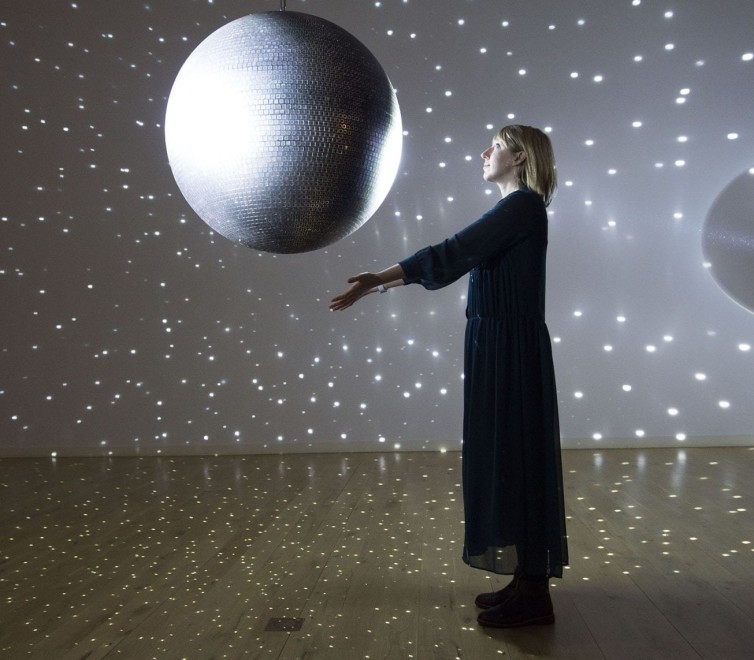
{"x":512,"y":476}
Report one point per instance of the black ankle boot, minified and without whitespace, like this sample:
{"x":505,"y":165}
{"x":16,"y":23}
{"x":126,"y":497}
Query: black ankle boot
{"x":494,"y":598}
{"x":528,"y":605}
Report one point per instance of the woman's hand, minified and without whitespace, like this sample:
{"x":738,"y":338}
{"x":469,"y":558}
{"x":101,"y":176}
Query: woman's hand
{"x":361,"y":285}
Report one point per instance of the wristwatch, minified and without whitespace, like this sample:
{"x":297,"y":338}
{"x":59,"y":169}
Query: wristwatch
{"x":381,"y":288}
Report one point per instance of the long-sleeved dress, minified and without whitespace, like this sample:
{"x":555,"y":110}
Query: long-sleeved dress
{"x":512,"y":476}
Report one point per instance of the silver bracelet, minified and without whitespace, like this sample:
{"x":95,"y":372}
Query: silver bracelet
{"x":381,"y":288}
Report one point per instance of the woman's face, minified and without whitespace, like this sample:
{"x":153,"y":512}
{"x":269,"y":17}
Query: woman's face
{"x":500,"y":162}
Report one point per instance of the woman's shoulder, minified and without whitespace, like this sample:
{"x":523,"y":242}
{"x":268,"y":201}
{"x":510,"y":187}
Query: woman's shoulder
{"x":524,"y":199}
{"x":527,"y":193}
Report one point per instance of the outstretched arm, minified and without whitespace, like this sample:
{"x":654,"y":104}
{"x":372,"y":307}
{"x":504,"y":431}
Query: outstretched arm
{"x":367,"y":283}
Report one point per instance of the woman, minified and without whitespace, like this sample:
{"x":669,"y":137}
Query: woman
{"x":512,"y":477}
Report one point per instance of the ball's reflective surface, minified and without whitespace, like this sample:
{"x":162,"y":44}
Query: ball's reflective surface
{"x":283,"y":132}
{"x":728,"y":240}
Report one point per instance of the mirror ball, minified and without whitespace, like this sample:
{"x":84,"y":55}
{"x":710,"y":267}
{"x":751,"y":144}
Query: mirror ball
{"x":283,"y":132}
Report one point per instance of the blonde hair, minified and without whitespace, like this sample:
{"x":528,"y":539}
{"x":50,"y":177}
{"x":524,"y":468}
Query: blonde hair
{"x":538,"y":169}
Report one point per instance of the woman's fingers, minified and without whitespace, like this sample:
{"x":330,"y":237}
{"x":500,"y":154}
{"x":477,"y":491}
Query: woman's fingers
{"x":360,"y":286}
{"x":340,"y":302}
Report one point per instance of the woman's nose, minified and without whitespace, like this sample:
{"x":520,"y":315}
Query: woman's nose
{"x":486,"y":153}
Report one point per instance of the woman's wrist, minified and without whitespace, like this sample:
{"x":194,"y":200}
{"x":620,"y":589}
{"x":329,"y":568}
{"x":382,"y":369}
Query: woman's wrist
{"x":392,"y":274}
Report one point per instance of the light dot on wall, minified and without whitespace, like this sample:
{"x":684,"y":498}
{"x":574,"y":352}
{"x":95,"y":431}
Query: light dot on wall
{"x":724,"y":404}
{"x":626,"y":388}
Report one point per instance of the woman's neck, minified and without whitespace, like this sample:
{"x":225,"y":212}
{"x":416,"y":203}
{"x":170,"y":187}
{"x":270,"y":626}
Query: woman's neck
{"x":507,"y":187}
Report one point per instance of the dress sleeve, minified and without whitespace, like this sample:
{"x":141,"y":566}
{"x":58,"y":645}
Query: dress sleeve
{"x":510,"y":221}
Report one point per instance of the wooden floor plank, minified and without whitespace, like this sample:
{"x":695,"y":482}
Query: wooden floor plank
{"x":373,"y":575}
{"x":679,"y":578}
{"x":622,"y":620}
{"x":272,"y":576}
{"x":192,"y":556}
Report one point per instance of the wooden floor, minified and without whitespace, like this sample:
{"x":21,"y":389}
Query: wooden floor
{"x":204,"y":557}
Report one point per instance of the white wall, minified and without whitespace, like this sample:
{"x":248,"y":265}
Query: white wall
{"x":129,"y":328}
